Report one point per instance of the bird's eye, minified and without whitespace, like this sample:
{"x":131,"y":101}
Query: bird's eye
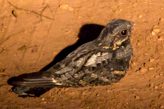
{"x":124,"y":32}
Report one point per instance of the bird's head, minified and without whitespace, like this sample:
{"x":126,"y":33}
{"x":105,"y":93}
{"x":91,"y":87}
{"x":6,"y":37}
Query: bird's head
{"x":115,"y":34}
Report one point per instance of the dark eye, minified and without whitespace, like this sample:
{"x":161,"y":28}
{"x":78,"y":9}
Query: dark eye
{"x":124,"y":32}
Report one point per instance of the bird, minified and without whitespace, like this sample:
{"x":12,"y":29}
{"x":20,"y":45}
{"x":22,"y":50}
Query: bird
{"x":102,"y":61}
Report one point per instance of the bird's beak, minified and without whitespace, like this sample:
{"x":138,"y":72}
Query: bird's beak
{"x":118,"y":43}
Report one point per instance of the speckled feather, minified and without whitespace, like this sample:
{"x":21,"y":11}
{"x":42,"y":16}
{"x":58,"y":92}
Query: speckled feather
{"x":99,"y":62}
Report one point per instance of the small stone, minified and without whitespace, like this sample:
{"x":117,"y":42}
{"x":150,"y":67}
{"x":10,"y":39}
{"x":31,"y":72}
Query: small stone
{"x":140,"y":16}
{"x":138,"y":43}
{"x":160,"y":38}
{"x":157,"y":76}
{"x":151,"y":85}
{"x":97,"y":95}
{"x":153,"y":33}
{"x":162,"y":107}
{"x":137,"y":97}
{"x":143,"y":70}
{"x":66,"y":7}
{"x":133,"y":63}
{"x":156,"y":87}
{"x":155,"y":30}
{"x":151,"y":60}
{"x":151,"y":68}
{"x":161,"y":74}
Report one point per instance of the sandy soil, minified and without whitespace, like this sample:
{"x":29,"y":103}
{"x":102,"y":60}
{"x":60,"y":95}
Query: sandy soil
{"x":33,"y":32}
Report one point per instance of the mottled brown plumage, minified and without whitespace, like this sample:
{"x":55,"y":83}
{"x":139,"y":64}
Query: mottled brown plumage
{"x":98,"y":62}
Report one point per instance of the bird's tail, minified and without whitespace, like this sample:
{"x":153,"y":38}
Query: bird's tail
{"x":32,"y":84}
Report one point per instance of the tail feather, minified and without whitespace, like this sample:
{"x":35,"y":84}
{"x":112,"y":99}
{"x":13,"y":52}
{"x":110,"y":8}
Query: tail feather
{"x":33,"y":84}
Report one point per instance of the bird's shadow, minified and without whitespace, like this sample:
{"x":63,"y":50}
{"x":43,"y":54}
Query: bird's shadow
{"x":88,"y":32}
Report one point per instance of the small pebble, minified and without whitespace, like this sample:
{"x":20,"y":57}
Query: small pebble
{"x":157,"y":76}
{"x":140,"y":16}
{"x":143,"y":70}
{"x":151,"y":60}
{"x":155,"y":30}
{"x":156,"y":87}
{"x":66,"y":7}
{"x":160,"y":38}
{"x":162,"y":107}
{"x":97,"y":95}
{"x":137,"y":97}
{"x":133,"y":63}
{"x":151,"y":85}
{"x":151,"y":68}
{"x":161,"y":74}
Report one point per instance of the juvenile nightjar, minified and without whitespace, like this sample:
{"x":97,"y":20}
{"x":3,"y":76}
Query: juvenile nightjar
{"x":98,"y":62}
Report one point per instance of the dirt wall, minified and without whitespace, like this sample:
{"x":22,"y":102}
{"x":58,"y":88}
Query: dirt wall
{"x":33,"y":32}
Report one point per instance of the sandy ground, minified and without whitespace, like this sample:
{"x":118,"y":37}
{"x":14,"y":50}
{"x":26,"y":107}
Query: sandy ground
{"x":33,"y":32}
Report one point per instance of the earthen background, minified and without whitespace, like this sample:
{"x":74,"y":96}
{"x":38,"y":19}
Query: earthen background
{"x":33,"y":32}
